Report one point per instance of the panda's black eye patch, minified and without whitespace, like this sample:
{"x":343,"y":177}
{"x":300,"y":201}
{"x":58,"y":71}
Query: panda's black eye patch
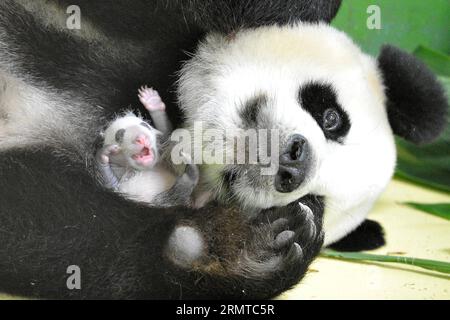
{"x":320,"y":100}
{"x":250,"y":112}
{"x":119,"y":135}
{"x":145,"y":124}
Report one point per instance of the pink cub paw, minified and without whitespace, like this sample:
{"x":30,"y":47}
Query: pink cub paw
{"x":151,"y":99}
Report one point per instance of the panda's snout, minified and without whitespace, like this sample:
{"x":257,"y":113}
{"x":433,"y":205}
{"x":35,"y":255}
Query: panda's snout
{"x":293,"y":165}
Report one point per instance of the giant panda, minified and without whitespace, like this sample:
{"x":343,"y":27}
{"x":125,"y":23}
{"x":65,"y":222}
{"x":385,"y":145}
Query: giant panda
{"x":59,"y":86}
{"x":320,"y":91}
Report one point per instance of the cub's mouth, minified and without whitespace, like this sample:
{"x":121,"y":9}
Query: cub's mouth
{"x":145,"y":156}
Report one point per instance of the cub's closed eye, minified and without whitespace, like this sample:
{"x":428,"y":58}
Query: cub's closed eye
{"x":145,"y":124}
{"x":331,"y":120}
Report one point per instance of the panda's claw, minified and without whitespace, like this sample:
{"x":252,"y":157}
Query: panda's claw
{"x":309,"y":227}
{"x":296,"y":252}
{"x":279,"y":225}
{"x":284,"y":239}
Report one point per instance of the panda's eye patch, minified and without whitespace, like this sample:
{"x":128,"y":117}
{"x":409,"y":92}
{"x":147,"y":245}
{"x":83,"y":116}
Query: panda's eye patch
{"x":251,"y":109}
{"x":145,"y":124}
{"x":331,"y":120}
{"x":320,"y":100}
{"x":119,"y":135}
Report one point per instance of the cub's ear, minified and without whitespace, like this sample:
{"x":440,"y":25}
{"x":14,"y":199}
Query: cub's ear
{"x":416,"y":102}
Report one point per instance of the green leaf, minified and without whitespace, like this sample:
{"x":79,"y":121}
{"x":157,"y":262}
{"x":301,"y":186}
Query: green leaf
{"x":404,"y":23}
{"x":436,"y":61}
{"x":427,"y":165}
{"x":440,"y":266}
{"x":413,"y":25}
{"x":438,"y":209}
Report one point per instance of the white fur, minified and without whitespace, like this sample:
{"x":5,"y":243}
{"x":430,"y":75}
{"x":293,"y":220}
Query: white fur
{"x":143,"y":186}
{"x":185,"y":246}
{"x":31,"y":116}
{"x":277,"y":61}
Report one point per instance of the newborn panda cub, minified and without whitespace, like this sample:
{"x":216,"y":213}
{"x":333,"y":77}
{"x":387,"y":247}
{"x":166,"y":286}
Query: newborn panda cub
{"x":129,"y":161}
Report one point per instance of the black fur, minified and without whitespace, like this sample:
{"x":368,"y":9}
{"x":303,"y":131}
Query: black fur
{"x":119,"y":245}
{"x":228,"y":16}
{"x":417,"y":105}
{"x":138,"y":21}
{"x":368,"y":236}
{"x":53,"y":214}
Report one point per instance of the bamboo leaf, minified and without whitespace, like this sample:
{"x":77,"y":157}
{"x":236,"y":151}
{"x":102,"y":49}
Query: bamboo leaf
{"x":439,"y":266}
{"x":438,"y":209}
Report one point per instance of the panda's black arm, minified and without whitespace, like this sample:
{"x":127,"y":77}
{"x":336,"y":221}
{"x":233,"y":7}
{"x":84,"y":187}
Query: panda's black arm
{"x":162,"y":123}
{"x":180,"y":194}
{"x":53,"y":215}
{"x":104,"y":172}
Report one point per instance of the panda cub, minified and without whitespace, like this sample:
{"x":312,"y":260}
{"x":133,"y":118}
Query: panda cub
{"x":129,"y":161}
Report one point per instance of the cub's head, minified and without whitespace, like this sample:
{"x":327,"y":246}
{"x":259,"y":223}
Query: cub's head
{"x":136,"y":139}
{"x":334,"y":111}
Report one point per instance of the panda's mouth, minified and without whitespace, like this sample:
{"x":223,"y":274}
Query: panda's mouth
{"x":144,"y":157}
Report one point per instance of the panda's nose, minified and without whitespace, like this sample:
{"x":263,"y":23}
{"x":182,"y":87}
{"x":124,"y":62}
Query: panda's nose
{"x":141,"y":139}
{"x":293,"y":164}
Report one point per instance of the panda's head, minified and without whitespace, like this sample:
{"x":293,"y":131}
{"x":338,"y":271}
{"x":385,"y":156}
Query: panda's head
{"x":137,"y":141}
{"x":334,"y":107}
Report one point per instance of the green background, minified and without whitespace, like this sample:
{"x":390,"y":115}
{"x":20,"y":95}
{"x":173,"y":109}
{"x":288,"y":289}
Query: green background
{"x":421,"y":27}
{"x":405,"y":23}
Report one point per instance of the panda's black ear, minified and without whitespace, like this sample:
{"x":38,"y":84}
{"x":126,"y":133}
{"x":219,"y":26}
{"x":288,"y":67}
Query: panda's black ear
{"x":416,"y":102}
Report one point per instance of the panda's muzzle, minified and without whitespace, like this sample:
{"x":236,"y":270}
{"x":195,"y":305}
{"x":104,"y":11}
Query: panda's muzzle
{"x":293,"y":165}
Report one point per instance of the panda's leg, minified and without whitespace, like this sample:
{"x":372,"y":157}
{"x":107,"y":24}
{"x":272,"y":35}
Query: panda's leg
{"x":180,"y":194}
{"x":369,"y":235}
{"x":54,"y":216}
{"x":104,"y":172}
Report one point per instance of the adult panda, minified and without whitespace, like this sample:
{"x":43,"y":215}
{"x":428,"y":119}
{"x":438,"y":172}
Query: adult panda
{"x":58,"y":87}
{"x":321,"y":93}
{"x":336,"y":110}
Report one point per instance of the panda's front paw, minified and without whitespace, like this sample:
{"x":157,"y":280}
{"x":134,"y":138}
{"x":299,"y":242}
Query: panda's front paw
{"x":288,"y":238}
{"x":150,"y":99}
{"x":105,"y":152}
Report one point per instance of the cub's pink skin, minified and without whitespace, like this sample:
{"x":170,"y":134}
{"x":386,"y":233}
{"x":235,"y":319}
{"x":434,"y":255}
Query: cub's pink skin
{"x":150,"y":99}
{"x":146,"y":155}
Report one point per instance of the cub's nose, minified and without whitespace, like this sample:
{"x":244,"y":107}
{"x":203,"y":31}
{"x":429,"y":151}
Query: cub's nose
{"x":141,"y":139}
{"x":293,"y":165}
